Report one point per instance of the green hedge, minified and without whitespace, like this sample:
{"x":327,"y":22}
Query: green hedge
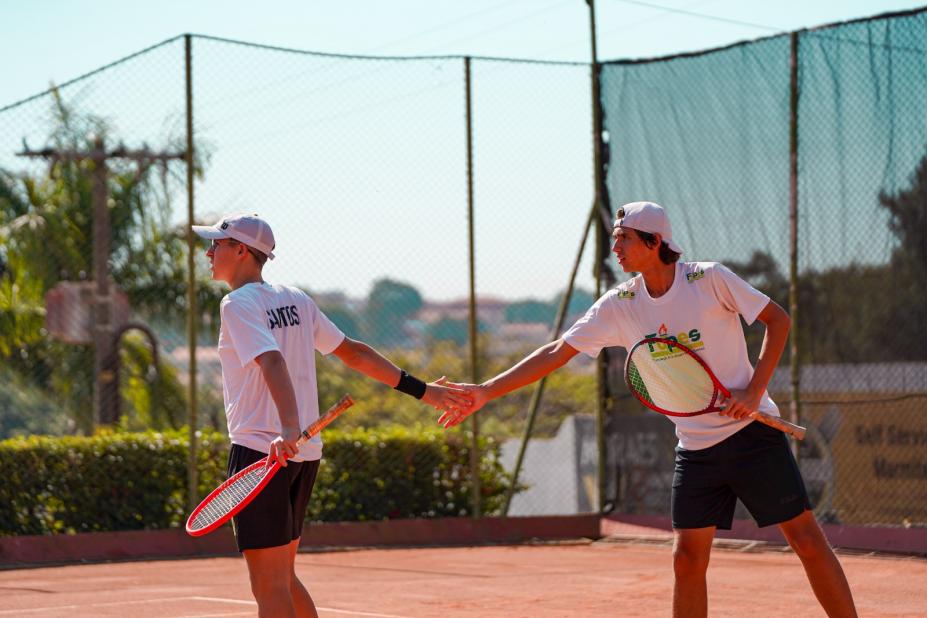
{"x":135,"y":481}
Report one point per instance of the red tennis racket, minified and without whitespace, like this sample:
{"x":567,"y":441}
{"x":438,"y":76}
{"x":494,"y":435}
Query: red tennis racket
{"x":233,"y":495}
{"x":668,"y":377}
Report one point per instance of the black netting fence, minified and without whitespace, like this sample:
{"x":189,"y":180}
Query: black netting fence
{"x":709,"y":135}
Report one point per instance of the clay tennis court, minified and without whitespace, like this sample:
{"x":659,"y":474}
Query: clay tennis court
{"x":572,"y":578}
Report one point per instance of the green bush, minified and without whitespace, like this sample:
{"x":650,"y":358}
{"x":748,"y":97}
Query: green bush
{"x":111,"y":481}
{"x":395,"y":473}
{"x":134,"y":481}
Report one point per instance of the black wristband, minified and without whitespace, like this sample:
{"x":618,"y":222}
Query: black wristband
{"x":410,"y":385}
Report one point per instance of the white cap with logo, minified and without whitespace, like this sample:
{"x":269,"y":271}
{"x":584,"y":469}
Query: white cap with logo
{"x":247,"y":229}
{"x":647,"y":217}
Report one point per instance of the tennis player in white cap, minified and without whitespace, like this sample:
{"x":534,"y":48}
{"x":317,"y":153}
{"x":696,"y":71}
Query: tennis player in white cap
{"x":720,"y":457}
{"x":267,"y":341}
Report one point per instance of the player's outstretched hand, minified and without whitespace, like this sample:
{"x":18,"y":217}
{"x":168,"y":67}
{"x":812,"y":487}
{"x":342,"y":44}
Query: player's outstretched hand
{"x":479,"y":397}
{"x":445,"y":396}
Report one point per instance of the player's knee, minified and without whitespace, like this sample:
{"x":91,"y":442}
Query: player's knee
{"x":689,"y":560}
{"x":808,"y":544}
{"x":264,"y":586}
{"x":265,"y":592}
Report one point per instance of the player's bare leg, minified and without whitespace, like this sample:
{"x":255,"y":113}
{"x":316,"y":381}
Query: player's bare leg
{"x":271,"y":570}
{"x":691,"y":551}
{"x":302,"y":601}
{"x":825,"y":574}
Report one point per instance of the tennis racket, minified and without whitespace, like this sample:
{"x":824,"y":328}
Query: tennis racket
{"x":668,"y":377}
{"x":233,"y":495}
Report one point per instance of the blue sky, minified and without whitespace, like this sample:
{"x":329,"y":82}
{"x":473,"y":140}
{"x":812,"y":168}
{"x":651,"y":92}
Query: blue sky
{"x":55,"y":40}
{"x":403,"y":233}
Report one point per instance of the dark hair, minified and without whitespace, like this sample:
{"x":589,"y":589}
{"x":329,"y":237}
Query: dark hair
{"x":261,"y":258}
{"x":667,"y":255}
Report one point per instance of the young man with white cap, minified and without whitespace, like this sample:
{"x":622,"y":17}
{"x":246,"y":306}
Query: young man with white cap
{"x":267,"y":342}
{"x":720,"y":457}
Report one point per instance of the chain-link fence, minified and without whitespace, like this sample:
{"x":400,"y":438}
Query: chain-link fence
{"x":361,"y":166}
{"x":708,"y":135}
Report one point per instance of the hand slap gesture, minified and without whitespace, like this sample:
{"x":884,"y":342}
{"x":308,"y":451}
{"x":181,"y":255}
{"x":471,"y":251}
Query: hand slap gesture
{"x":447,"y":396}
{"x":478,"y":397}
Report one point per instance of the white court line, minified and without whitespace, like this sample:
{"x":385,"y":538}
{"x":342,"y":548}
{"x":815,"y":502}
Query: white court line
{"x":221,"y":600}
{"x":250,"y":613}
{"x":169,"y":599}
{"x":114,"y":603}
{"x":356,"y":613}
{"x":321,"y":609}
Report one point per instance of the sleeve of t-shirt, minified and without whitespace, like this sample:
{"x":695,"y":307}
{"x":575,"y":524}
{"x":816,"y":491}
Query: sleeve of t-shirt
{"x":247,"y":326}
{"x":599,"y":328}
{"x":326,"y":335}
{"x":737,"y":295}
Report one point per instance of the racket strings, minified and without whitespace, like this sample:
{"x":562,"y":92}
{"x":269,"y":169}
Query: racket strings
{"x":676,"y":383}
{"x":228,"y":498}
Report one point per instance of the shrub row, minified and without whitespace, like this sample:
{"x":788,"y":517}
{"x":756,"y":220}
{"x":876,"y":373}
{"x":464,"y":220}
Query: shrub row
{"x":135,"y":481}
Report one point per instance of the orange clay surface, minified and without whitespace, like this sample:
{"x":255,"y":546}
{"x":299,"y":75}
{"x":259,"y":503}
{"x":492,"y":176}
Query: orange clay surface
{"x":568,"y":579}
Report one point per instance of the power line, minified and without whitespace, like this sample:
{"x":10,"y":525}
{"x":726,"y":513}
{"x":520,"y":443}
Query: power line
{"x":626,"y":26}
{"x":726,"y":20}
{"x":506,"y":24}
{"x":443,"y":25}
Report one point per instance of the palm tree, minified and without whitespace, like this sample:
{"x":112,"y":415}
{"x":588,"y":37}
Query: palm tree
{"x":46,"y":236}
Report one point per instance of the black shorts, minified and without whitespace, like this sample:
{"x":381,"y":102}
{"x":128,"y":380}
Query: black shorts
{"x":755,"y":464}
{"x":275,"y":517}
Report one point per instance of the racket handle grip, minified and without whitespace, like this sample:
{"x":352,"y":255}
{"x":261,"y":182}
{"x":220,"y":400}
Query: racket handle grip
{"x":796,"y":431}
{"x":331,"y":414}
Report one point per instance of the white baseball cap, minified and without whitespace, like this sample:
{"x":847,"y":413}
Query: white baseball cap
{"x":248,"y":229}
{"x":647,"y":217}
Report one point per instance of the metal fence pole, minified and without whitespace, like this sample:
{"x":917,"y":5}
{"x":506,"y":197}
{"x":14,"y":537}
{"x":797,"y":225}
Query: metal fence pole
{"x":601,"y":366}
{"x":474,"y":369}
{"x":191,"y":279}
{"x":794,"y":361}
{"x":539,"y":387}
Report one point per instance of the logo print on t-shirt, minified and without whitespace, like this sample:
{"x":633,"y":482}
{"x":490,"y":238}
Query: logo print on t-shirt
{"x":699,"y":274}
{"x":282,"y":317}
{"x":692,"y":339}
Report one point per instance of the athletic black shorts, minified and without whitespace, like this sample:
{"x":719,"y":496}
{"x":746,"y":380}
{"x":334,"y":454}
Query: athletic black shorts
{"x":755,"y":465}
{"x":275,"y":517}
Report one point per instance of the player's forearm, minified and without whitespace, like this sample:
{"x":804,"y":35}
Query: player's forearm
{"x":532,"y":368}
{"x":273,"y":368}
{"x":362,"y":358}
{"x":774,"y":341}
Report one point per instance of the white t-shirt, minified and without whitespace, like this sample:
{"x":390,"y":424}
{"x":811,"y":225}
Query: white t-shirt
{"x":258,"y":318}
{"x":701,"y":310}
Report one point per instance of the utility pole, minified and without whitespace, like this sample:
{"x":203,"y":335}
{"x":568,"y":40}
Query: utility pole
{"x":106,"y":389}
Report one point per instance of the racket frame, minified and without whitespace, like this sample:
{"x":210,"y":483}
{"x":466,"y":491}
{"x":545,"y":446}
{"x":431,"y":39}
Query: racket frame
{"x":776,"y":422}
{"x":672,"y":343}
{"x":272,"y":467}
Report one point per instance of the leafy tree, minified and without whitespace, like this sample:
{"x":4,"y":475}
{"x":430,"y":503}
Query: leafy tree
{"x":907,"y":277}
{"x":530,"y":311}
{"x":389,"y":305}
{"x":46,"y":229}
{"x":449,"y":329}
{"x":454,"y":331}
{"x":580,"y":301}
{"x":345,"y":319}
